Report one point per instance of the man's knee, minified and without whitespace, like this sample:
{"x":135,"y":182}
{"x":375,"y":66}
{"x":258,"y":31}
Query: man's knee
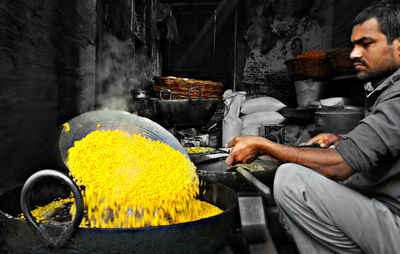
{"x":287,"y":177}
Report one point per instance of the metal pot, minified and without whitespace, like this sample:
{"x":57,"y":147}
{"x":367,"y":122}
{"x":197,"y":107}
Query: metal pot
{"x":203,"y":236}
{"x":140,"y":94}
{"x":308,"y":91}
{"x":187,"y":112}
{"x":338,"y":121}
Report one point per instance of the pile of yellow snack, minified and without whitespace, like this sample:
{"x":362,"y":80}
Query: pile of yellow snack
{"x":191,"y":150}
{"x":131,"y":181}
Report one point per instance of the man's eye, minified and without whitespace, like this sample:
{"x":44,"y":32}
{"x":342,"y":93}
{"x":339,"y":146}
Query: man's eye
{"x":366,"y":44}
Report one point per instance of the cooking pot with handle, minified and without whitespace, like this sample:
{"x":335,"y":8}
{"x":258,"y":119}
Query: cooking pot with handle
{"x":207,"y":235}
{"x":186,"y":112}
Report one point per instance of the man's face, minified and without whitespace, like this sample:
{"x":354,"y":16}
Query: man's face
{"x":372,"y":55}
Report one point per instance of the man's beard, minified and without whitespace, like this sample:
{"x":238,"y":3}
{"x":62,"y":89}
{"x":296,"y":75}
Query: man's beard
{"x":371,"y":75}
{"x":365,"y":75}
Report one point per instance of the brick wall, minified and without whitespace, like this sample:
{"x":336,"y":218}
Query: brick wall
{"x":275,"y":84}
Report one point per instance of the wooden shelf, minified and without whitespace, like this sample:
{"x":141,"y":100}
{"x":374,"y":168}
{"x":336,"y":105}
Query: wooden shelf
{"x":344,"y":77}
{"x":301,"y":115}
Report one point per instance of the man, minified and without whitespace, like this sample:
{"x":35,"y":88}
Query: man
{"x":346,"y":198}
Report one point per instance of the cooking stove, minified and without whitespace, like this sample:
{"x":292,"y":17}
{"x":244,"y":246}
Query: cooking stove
{"x":274,"y":240}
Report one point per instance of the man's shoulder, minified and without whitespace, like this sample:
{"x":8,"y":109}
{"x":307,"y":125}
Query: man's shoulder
{"x":393,"y":89}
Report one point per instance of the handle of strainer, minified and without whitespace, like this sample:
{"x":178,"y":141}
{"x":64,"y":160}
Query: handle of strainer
{"x":67,"y":231}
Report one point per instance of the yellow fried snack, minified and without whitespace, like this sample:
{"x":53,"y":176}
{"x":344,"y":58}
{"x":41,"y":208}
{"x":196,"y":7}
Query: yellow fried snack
{"x":132,"y":181}
{"x":42,"y":213}
{"x":67,"y":128}
{"x":199,"y":149}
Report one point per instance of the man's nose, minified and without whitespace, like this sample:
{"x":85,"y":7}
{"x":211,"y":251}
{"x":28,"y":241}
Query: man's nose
{"x":356,"y":53}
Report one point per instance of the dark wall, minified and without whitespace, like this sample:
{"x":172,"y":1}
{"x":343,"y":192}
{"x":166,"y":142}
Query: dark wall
{"x":47,"y":59}
{"x":127,"y":52}
{"x":266,"y":31}
{"x":205,"y":48}
{"x":344,"y":12}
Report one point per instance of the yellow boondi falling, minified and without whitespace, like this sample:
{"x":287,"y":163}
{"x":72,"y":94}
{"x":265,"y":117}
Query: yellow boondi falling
{"x":131,"y":181}
{"x":42,"y":213}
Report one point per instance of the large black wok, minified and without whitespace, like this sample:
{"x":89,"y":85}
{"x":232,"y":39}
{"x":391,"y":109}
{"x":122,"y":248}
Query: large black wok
{"x":207,"y":235}
{"x":185,"y":112}
{"x":26,"y":236}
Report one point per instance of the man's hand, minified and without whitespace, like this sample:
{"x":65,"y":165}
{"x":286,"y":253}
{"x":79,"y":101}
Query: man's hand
{"x":244,"y":149}
{"x":327,"y":162}
{"x":324,"y":139}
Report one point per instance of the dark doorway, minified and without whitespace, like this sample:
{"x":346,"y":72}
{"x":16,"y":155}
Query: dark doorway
{"x":205,"y":47}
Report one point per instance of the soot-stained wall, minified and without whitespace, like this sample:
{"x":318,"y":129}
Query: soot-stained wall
{"x":128,"y":54}
{"x":271,"y":32}
{"x":47,"y":76}
{"x":274,"y":31}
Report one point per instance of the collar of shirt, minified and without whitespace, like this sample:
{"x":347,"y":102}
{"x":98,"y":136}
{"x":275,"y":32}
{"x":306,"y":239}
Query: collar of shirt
{"x":382,"y":84}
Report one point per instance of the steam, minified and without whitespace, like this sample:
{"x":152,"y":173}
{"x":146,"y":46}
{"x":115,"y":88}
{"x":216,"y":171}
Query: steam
{"x":119,"y":72}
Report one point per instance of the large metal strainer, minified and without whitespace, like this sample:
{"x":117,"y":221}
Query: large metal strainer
{"x":82,"y":125}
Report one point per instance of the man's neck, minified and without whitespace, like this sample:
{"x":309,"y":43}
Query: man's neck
{"x":376,"y":81}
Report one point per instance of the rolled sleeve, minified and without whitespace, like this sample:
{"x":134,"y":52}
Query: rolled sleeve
{"x":376,"y":136}
{"x":386,"y":123}
{"x":358,"y":149}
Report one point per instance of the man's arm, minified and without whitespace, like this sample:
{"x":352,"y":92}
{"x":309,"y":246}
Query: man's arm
{"x":327,"y":162}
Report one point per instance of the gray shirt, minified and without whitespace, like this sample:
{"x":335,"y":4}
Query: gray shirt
{"x":372,"y":149}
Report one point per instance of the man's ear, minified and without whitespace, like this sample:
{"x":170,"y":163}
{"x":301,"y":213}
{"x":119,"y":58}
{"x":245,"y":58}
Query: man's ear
{"x":396,"y":46}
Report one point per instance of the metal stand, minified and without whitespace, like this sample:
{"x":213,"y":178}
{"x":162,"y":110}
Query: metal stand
{"x":256,"y":236}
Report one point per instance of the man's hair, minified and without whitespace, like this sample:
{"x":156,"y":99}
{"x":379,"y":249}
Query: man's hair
{"x":388,"y":15}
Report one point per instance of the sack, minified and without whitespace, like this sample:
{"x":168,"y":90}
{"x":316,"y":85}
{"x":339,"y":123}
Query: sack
{"x":261,"y":104}
{"x":251,"y":131}
{"x":262,"y":118}
{"x":232,"y":124}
